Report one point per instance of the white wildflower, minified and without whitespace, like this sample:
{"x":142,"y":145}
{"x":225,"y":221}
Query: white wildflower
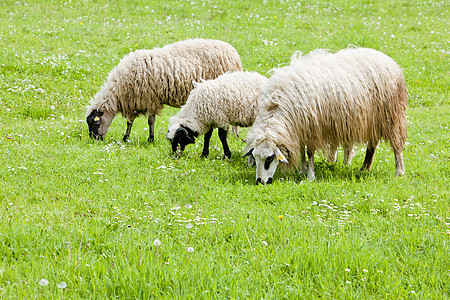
{"x":43,"y":282}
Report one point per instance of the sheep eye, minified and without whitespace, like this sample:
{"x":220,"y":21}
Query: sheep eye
{"x":268,"y":161}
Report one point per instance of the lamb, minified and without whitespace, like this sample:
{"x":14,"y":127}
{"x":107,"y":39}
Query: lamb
{"x":145,"y":80}
{"x":325,"y":100}
{"x":230,"y":99}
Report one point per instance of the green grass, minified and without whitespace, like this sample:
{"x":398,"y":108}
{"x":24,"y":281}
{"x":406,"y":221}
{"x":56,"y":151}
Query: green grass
{"x":88,"y":213}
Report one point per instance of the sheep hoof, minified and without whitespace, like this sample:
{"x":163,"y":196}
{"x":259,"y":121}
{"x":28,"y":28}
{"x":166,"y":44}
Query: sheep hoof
{"x":125,"y":138}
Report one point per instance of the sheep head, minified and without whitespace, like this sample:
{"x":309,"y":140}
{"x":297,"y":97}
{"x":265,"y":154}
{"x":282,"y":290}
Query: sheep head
{"x":267,"y":159}
{"x":180,"y":136}
{"x":98,"y":123}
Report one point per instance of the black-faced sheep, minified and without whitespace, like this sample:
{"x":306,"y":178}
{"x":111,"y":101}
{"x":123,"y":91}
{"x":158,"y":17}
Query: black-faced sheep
{"x":323,"y":100}
{"x":145,"y":80}
{"x":230,"y":99}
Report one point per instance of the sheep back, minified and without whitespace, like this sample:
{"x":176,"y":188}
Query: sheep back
{"x":230,"y":99}
{"x":145,"y":80}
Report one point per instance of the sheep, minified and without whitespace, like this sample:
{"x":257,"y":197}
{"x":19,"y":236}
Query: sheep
{"x":230,"y":99}
{"x":145,"y":80}
{"x":325,"y":100}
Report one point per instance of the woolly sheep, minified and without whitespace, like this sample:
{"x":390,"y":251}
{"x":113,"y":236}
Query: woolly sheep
{"x":230,"y":99}
{"x":325,"y":100}
{"x":145,"y":80}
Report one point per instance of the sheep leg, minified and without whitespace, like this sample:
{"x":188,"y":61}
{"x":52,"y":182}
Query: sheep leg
{"x":332,"y":153}
{"x":304,"y":167}
{"x":348,"y":154}
{"x":127,"y":133}
{"x":371,"y":147}
{"x":207,"y":138}
{"x":151,"y":127}
{"x":311,"y":176}
{"x":399,"y":166}
{"x":223,"y":138}
{"x":235,"y":130}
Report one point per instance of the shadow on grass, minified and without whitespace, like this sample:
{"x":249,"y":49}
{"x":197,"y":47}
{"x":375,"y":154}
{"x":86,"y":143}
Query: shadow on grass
{"x":238,"y":172}
{"x":323,"y":170}
{"x":235,"y":171}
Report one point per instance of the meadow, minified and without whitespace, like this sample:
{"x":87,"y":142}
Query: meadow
{"x":112,"y":220}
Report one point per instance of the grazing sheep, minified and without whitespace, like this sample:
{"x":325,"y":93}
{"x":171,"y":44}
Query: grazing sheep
{"x":323,"y":100}
{"x":145,"y":80}
{"x":230,"y":99}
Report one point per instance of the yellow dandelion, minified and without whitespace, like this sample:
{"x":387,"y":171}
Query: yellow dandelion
{"x":280,"y":217}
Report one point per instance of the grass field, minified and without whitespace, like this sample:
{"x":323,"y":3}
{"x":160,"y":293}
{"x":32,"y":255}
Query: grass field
{"x":103,"y":220}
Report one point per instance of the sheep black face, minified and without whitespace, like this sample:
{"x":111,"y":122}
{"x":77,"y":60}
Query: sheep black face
{"x":98,"y":123}
{"x":93,"y":121}
{"x":267,"y":161}
{"x":181,"y":137}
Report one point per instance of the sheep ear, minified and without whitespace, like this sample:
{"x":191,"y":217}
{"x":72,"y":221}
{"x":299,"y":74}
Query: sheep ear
{"x":250,"y":152}
{"x":280,"y":156}
{"x":182,"y":132}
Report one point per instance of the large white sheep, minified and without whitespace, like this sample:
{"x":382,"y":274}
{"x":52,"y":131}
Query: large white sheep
{"x":230,"y":99}
{"x":324,"y":100}
{"x":145,"y":80}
